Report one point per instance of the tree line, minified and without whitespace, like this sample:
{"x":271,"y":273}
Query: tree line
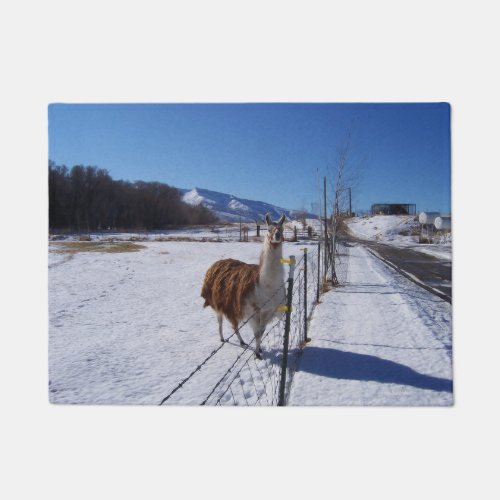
{"x":86,"y":198}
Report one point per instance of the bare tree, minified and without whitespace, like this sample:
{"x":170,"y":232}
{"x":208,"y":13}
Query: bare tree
{"x":347,"y":176}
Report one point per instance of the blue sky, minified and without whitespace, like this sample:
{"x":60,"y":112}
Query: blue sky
{"x":268,"y":152}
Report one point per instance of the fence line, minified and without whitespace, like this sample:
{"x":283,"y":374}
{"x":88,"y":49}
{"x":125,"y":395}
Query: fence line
{"x":263,"y":384}
{"x":252,"y":382}
{"x":215,"y":351}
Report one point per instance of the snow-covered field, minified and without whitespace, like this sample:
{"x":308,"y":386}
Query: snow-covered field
{"x":127,"y":328}
{"x":216,"y":232}
{"x":397,"y":230}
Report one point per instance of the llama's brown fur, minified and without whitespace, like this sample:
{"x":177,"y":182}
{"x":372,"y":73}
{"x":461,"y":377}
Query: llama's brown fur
{"x":227,"y":283}
{"x":235,"y":289}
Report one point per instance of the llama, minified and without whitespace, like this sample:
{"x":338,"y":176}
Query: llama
{"x":241,"y":291}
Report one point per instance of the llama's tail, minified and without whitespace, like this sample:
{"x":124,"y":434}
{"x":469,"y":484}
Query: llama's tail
{"x":205,"y":294}
{"x":206,"y":289}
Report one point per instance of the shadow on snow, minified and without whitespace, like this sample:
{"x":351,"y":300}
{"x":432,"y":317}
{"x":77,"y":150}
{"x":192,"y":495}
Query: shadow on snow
{"x":352,"y":366}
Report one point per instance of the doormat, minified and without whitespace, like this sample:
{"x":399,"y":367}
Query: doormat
{"x":253,"y":254}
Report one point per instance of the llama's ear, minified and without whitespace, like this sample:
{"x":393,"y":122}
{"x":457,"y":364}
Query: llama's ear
{"x":282,"y":219}
{"x":268,"y":219}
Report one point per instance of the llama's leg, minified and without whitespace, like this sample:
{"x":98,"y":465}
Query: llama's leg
{"x":258,"y":340}
{"x":219,"y":319}
{"x":258,"y":350}
{"x":258,"y":330}
{"x":264,"y":319}
{"x":237,"y":331}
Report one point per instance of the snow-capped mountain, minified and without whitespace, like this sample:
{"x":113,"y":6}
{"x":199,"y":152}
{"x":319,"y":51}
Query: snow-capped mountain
{"x":229,"y":208}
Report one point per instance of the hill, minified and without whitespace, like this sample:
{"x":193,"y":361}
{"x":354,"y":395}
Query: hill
{"x":228,"y":207}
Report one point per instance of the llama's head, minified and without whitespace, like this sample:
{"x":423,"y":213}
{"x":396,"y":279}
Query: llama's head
{"x":275,"y":230}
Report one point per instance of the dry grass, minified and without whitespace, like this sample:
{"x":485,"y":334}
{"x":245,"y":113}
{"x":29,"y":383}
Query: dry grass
{"x":72,"y":247}
{"x":203,"y":239}
{"x":425,"y":240}
{"x":412,"y":231}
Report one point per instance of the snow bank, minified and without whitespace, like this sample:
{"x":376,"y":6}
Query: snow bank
{"x":381,"y":227}
{"x":397,"y":230}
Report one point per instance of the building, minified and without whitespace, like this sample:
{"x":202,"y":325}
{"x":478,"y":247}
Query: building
{"x":394,"y":209}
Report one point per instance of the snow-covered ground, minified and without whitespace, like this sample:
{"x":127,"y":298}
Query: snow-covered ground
{"x":378,"y":340}
{"x":397,"y":230}
{"x":127,"y":328}
{"x":202,"y":233}
{"x":215,"y":232}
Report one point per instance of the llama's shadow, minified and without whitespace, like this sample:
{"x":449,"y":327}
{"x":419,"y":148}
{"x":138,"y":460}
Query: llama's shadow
{"x":344,"y":365}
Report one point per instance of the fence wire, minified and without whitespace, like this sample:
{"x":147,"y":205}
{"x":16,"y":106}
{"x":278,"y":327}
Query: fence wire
{"x":253,"y":382}
{"x":249,"y":381}
{"x":215,"y":351}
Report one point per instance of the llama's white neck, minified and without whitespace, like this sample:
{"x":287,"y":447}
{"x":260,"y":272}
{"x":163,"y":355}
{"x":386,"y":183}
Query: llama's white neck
{"x":271,"y":268}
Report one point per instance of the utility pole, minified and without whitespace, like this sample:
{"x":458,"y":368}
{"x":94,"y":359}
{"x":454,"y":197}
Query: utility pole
{"x":350,"y":203}
{"x":325,"y":253}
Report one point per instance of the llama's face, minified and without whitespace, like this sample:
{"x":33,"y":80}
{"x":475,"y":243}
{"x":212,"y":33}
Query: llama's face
{"x":275,"y":231}
{"x":275,"y":235}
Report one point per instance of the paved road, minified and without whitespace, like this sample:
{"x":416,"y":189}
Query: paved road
{"x":433,"y":273}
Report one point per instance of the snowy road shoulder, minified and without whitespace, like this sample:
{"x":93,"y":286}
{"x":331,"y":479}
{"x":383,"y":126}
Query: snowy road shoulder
{"x":378,"y":340}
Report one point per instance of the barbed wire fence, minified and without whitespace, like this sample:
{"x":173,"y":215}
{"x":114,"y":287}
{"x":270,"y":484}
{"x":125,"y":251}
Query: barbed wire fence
{"x":249,"y":381}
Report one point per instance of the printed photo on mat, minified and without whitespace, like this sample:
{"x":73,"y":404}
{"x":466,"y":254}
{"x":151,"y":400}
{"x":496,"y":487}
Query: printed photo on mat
{"x":253,"y":254}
